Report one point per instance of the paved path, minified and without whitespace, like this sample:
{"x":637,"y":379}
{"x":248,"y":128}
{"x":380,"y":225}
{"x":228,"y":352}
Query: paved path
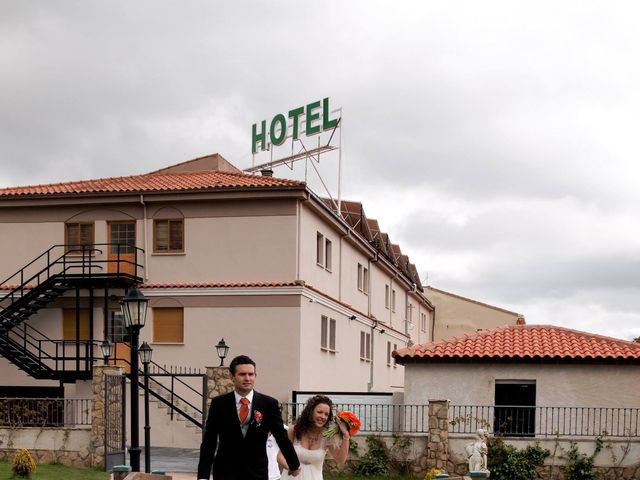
{"x":174,"y":459}
{"x":180,"y":463}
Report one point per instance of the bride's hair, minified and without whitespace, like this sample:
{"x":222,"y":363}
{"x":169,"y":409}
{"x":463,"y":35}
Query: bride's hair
{"x":304,"y":422}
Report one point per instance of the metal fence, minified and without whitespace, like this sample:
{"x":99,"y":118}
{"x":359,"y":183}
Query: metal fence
{"x":530,"y":421}
{"x":44,"y":412}
{"x":375,"y":418}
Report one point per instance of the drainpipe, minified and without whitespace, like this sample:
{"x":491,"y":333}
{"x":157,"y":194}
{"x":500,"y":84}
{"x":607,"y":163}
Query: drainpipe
{"x":433,"y":325}
{"x":144,"y":240}
{"x":373,"y":331}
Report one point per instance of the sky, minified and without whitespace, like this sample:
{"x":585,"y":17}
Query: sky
{"x":496,"y":142}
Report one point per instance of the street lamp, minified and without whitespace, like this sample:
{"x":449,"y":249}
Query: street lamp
{"x":106,"y":347}
{"x":222,"y":349}
{"x":145,"y":358}
{"x":134,"y":310}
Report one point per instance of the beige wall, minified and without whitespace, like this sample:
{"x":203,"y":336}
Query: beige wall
{"x":310,"y":271}
{"x":556,"y":385}
{"x":229,"y":249}
{"x":456,"y":315}
{"x":258,"y":240}
{"x":344,"y":370}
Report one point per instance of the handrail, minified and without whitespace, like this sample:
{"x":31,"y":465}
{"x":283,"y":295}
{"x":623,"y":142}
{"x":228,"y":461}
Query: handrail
{"x":69,"y":259}
{"x":65,"y":245}
{"x":171,"y":391}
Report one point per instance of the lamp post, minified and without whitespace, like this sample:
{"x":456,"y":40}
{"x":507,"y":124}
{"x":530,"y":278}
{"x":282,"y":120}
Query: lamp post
{"x":222,"y":349}
{"x":134,"y":310}
{"x":106,"y":347}
{"x":145,"y":358}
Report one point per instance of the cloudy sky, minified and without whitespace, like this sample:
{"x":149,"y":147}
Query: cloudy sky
{"x":497,"y":142}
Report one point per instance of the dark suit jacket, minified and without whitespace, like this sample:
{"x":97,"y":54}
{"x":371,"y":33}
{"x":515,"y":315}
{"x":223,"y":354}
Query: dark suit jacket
{"x":238,"y":457}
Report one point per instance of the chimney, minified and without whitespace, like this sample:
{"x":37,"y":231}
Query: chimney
{"x":266,"y":172}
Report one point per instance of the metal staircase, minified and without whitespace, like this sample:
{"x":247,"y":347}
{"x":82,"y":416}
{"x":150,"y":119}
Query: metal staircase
{"x":56,"y":271}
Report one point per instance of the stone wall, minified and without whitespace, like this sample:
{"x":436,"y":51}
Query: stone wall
{"x":68,"y":446}
{"x":98,"y":411}
{"x":218,"y":381}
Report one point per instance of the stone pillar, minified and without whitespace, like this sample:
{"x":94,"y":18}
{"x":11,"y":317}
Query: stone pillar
{"x":438,"y":443}
{"x":218,"y":381}
{"x":98,"y":412}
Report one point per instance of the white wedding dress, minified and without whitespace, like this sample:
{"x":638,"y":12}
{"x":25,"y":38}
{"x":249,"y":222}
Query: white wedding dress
{"x":311,"y":461}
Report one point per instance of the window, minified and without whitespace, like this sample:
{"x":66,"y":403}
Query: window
{"x":168,"y":325}
{"x":388,"y":354}
{"x":168,"y":236}
{"x":116,"y":332}
{"x":323,"y":252}
{"x":393,"y":300}
{"x":395,"y":361}
{"x":365,"y":346}
{"x":423,"y":322}
{"x":515,"y":408}
{"x":69,"y":324}
{"x":328,"y":334}
{"x":78,"y":234}
{"x":320,"y":249}
{"x":122,"y":236}
{"x":386,"y":296}
{"x":363,"y":278}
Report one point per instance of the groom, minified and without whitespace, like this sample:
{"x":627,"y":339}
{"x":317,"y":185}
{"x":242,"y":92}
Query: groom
{"x":238,"y":425}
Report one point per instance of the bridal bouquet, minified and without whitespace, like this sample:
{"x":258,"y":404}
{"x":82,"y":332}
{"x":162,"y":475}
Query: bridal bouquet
{"x":351,"y":421}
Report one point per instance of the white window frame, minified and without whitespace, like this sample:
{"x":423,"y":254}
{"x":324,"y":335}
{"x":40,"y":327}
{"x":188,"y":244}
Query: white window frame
{"x":386,"y":296}
{"x":365,"y":346}
{"x":320,"y":249}
{"x":324,"y":252}
{"x":327,"y":334}
{"x":363,"y":279}
{"x":393,"y":300}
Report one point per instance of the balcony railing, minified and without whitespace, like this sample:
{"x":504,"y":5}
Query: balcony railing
{"x":375,"y":418}
{"x":44,"y":412}
{"x":530,"y":421}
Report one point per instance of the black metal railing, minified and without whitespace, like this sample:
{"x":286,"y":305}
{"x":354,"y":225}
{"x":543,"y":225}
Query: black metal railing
{"x":57,"y":355}
{"x":375,"y":418}
{"x":65,"y":260}
{"x":529,"y":421}
{"x":174,"y":394}
{"x":44,"y":412}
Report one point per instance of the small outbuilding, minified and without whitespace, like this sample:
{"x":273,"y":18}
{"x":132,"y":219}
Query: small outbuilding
{"x":530,"y":380}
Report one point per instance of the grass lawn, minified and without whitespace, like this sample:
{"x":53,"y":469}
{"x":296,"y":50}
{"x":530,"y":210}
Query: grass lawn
{"x":56,"y":472}
{"x":355,"y":477}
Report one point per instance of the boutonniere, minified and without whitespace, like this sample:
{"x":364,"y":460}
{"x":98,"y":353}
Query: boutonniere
{"x":257,"y":418}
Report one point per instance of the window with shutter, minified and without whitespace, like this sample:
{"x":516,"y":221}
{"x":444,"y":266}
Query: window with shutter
{"x":69,"y":324}
{"x":168,"y":325}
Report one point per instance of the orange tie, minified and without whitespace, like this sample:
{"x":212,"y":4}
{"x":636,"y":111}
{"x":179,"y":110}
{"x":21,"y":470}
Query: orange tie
{"x":244,"y":409}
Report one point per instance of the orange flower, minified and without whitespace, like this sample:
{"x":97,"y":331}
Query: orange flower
{"x":351,"y":421}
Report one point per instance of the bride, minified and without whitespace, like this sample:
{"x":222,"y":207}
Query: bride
{"x":311,"y":446}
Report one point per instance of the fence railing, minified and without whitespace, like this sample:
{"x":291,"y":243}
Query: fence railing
{"x":375,"y":418}
{"x":530,"y":421}
{"x":44,"y":412}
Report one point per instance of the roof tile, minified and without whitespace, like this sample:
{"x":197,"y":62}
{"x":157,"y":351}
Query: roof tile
{"x":154,"y":182}
{"x":524,"y":342}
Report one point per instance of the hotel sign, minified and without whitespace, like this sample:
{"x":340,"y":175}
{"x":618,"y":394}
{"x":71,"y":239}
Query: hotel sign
{"x":315,"y":116}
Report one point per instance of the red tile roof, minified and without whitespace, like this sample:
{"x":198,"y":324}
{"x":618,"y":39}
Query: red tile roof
{"x":294,"y":283}
{"x":154,"y":182}
{"x":523,"y":342}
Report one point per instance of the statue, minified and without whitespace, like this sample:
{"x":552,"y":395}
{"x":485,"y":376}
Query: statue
{"x":477,"y":453}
